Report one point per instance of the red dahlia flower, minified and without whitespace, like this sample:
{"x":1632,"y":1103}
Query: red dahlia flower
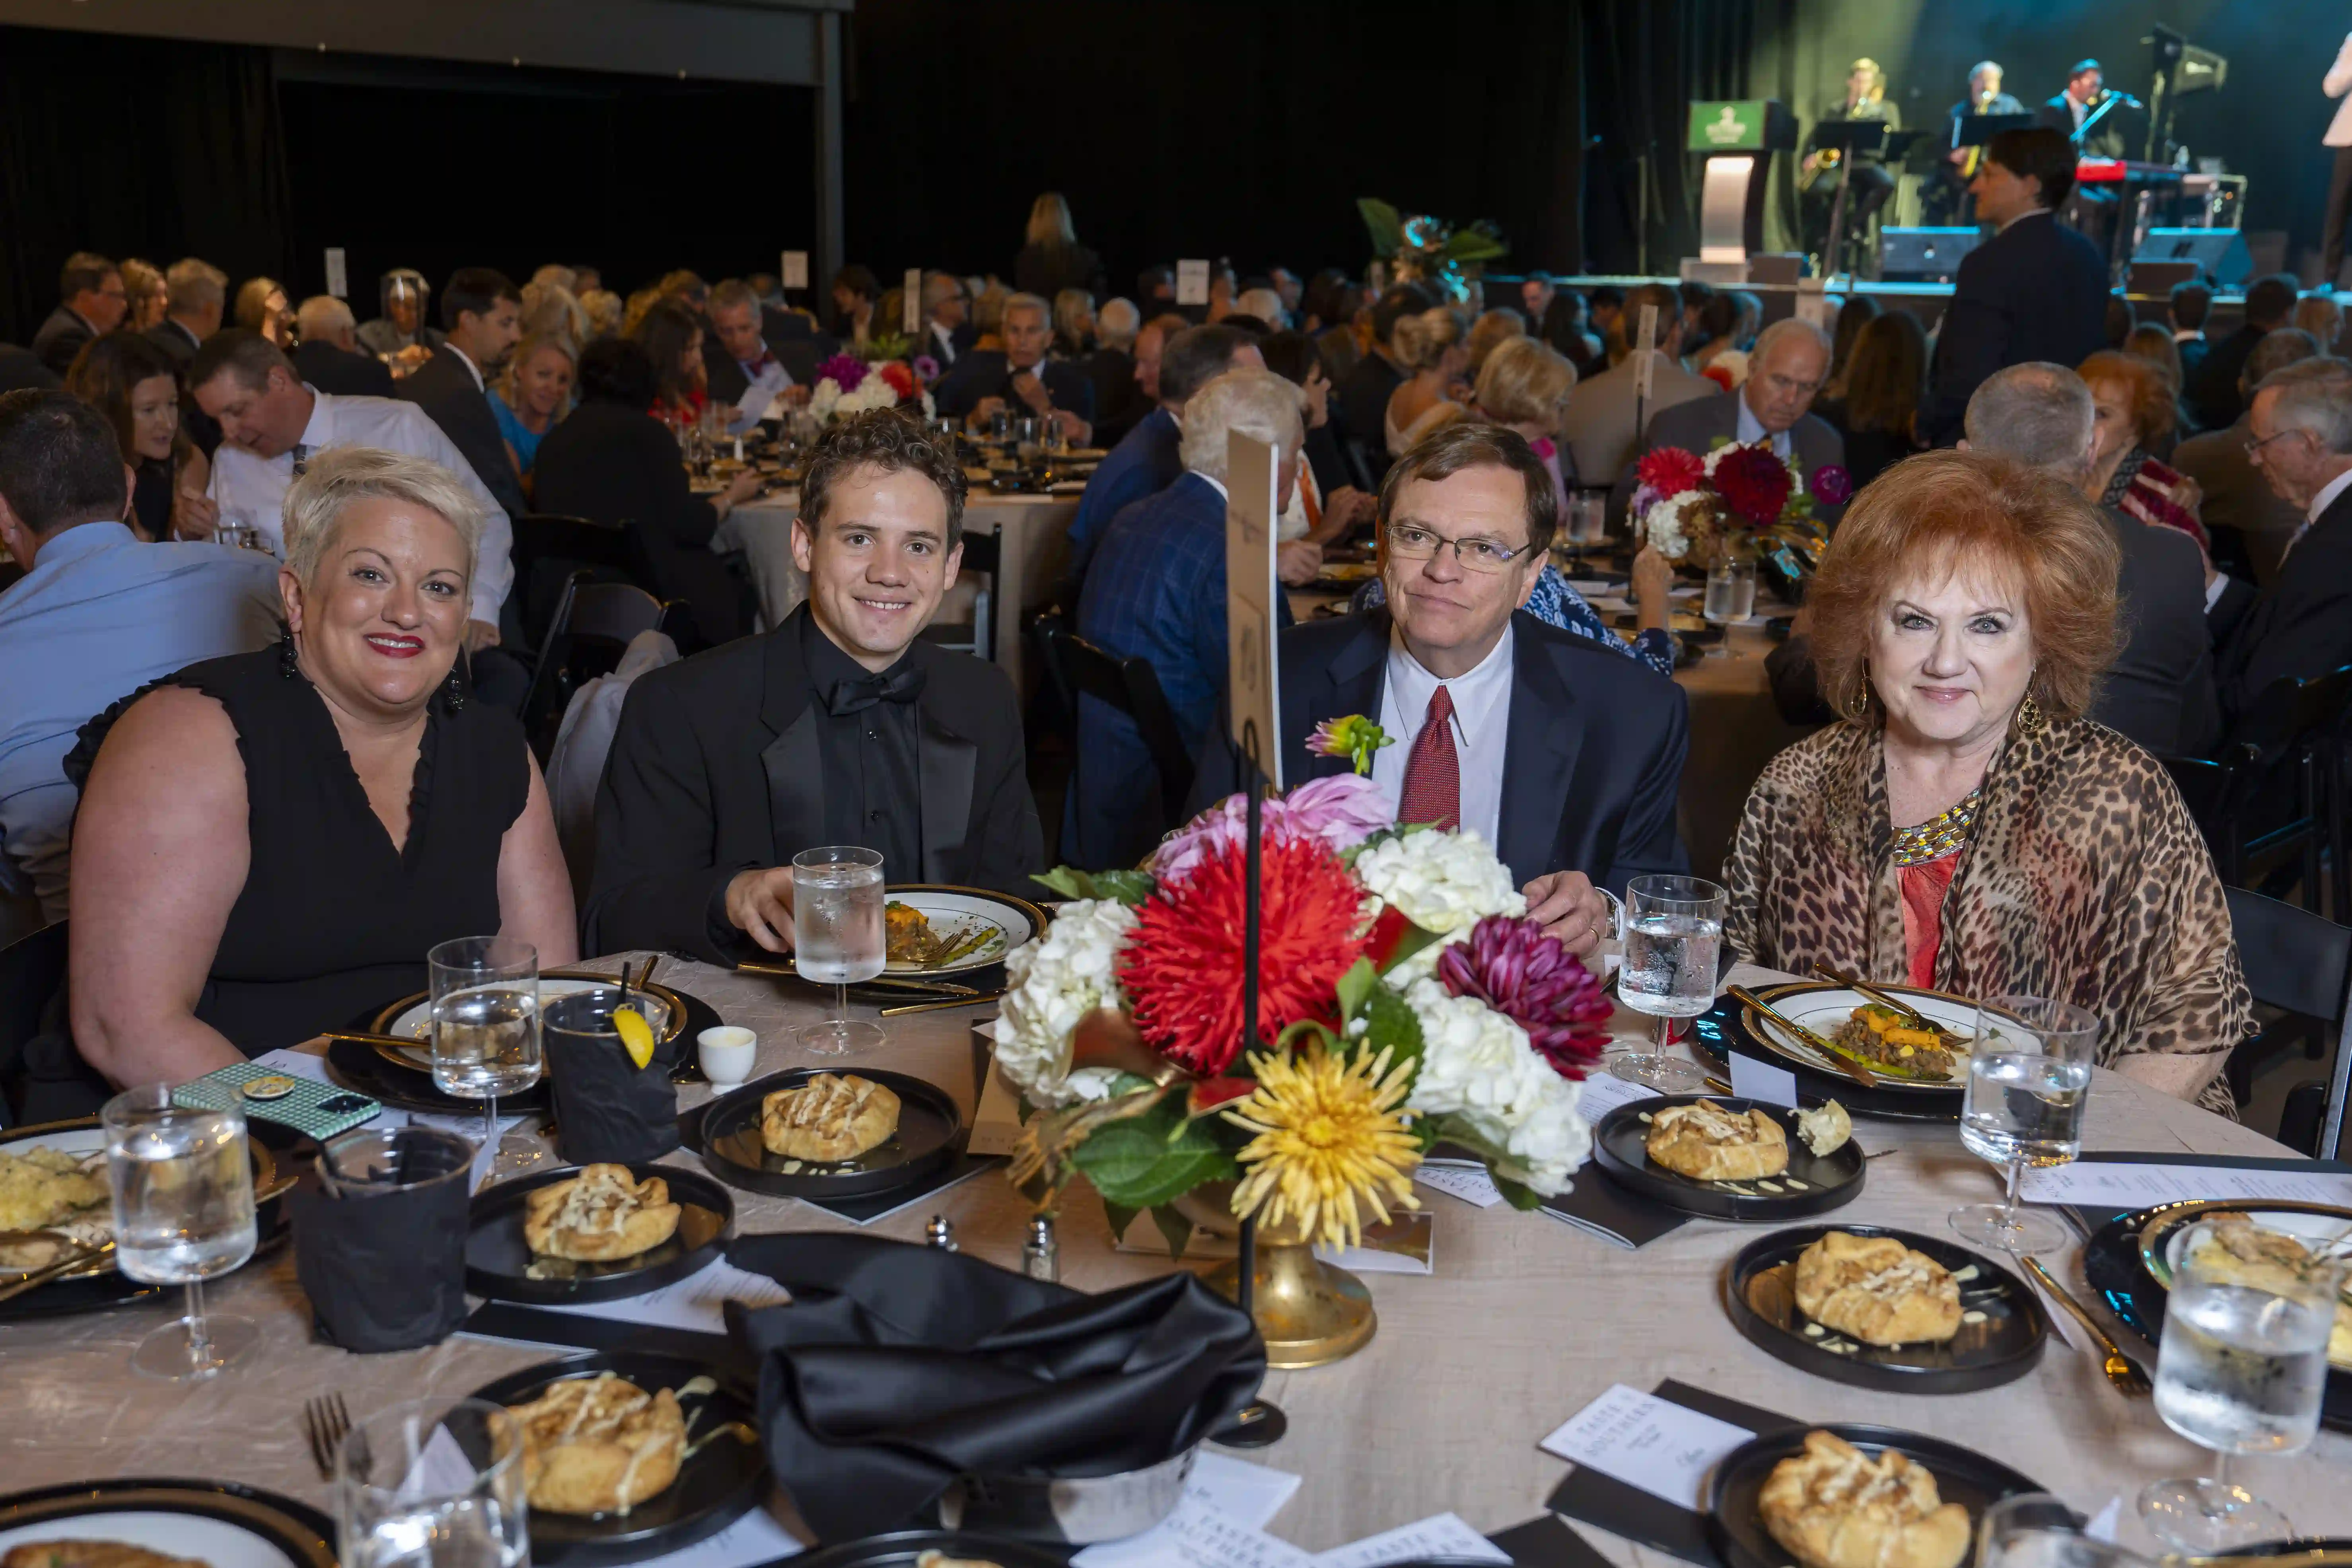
{"x":1516,"y":969}
{"x":1670,"y":470}
{"x":900,"y":379}
{"x":1754,"y":483}
{"x":1182,"y":966}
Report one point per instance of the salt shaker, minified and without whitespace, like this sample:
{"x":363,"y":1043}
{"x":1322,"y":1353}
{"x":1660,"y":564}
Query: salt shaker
{"x":1040,"y":1255}
{"x":940,"y":1233}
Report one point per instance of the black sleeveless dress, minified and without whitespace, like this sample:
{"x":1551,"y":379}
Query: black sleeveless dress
{"x":332,"y":920}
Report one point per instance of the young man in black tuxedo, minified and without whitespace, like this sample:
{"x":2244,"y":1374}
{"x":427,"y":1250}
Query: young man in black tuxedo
{"x":481,"y":316}
{"x":838,"y":727}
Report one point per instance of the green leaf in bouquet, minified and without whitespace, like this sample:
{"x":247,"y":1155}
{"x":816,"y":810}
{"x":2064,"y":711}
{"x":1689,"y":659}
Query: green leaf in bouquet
{"x":1382,"y":225}
{"x":1409,"y":941}
{"x":1390,"y":1025}
{"x":1360,"y":980}
{"x":1175,"y":1228}
{"x":1519,"y":1195}
{"x":1156,"y":1157}
{"x":1121,"y":1217}
{"x":1129,"y":887}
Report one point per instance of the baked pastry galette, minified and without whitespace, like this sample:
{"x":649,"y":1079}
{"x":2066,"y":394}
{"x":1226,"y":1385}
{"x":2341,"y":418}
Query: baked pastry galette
{"x":1877,"y":1289}
{"x":599,"y":1445}
{"x":830,"y":1117}
{"x":602,"y":1214}
{"x":1834,"y":1507}
{"x":1707,"y":1143}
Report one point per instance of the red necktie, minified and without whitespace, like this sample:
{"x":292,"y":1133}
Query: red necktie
{"x":1432,"y":773}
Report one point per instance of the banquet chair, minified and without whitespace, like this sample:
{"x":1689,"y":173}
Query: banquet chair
{"x":2291,"y":735}
{"x":2301,"y":963}
{"x":1130,"y":686}
{"x":2215,"y":791}
{"x":592,"y":625}
{"x":548,"y":548}
{"x":982,"y":552}
{"x":32,"y":971}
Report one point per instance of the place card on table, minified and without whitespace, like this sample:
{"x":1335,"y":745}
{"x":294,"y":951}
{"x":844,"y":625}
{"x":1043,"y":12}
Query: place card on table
{"x":685,"y":1316}
{"x":1642,"y":1461}
{"x":1754,"y":1080}
{"x":1439,"y":1535}
{"x":1463,"y":1179}
{"x":796,"y":269}
{"x":1218,"y":1522}
{"x":2121,"y":1180}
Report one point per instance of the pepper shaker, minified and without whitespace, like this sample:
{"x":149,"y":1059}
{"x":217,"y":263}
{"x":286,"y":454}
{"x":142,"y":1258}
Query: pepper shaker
{"x":1040,"y":1255}
{"x":940,"y":1233}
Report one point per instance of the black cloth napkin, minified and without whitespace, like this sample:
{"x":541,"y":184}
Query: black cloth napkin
{"x":898,"y":1369}
{"x":608,"y":1109}
{"x":384,"y":1271}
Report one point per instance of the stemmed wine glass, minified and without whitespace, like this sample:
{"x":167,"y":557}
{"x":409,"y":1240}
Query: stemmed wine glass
{"x":1673,"y":941}
{"x":486,"y":1030}
{"x":182,"y":1185}
{"x":837,"y":938}
{"x":2241,"y":1369}
{"x":2028,"y":1081}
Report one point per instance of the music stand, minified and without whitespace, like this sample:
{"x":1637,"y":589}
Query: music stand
{"x":1977,"y":129}
{"x":1848,"y":138}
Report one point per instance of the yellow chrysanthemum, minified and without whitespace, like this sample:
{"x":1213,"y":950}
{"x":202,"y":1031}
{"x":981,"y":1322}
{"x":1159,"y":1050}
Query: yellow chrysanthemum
{"x":1329,"y":1135}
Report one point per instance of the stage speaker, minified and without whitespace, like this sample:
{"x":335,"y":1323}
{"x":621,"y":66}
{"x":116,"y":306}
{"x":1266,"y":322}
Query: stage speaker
{"x":1925,"y":255}
{"x":2155,"y":279}
{"x":2220,"y":253}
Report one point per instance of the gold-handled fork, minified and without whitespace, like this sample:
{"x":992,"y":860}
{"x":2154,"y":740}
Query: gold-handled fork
{"x":2128,"y":1377}
{"x":326,"y":1421}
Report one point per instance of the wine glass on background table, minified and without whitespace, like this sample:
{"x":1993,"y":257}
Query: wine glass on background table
{"x":486,"y":1031}
{"x":182,"y":1179}
{"x":2028,"y":1083}
{"x":2241,"y":1369}
{"x":1674,"y":941}
{"x":837,"y":938}
{"x":433,"y":1483}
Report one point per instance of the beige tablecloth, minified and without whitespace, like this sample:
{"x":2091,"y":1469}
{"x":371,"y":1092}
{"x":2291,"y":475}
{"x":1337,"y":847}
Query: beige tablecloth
{"x":1525,"y":1320}
{"x":1035,"y":546}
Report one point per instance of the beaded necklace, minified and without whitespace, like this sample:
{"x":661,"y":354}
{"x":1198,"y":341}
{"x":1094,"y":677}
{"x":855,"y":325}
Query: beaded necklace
{"x":1940,"y":834}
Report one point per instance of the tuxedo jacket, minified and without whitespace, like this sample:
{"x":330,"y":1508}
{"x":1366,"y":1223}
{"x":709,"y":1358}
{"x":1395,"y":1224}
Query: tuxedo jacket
{"x":986,"y":373}
{"x":2036,"y":291}
{"x":1592,"y":759}
{"x":2302,"y":624}
{"x":345,"y":374}
{"x":445,"y":389}
{"x":715,"y":770}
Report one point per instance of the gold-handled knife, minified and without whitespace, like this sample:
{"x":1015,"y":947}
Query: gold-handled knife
{"x":1853,"y":1069}
{"x":1912,"y":1016}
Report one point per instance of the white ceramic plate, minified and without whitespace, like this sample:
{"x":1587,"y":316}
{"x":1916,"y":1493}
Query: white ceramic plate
{"x":215,"y":1541}
{"x":1824,"y":1009}
{"x":958,"y":912}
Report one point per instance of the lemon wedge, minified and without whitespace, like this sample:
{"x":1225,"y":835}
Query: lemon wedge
{"x":637,"y":1035}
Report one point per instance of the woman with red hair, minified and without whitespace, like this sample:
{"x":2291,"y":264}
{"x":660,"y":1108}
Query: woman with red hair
{"x":2138,"y":411}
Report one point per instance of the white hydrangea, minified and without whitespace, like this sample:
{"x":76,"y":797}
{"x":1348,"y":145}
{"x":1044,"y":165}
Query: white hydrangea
{"x":827,"y":402}
{"x":1715,"y":456}
{"x":1443,"y":882}
{"x":1663,"y":525}
{"x":1051,"y":983}
{"x":1734,"y":363}
{"x":1476,"y":1065}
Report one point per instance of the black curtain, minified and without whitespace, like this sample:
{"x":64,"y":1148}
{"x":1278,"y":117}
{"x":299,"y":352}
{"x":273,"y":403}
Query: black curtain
{"x":134,"y":147}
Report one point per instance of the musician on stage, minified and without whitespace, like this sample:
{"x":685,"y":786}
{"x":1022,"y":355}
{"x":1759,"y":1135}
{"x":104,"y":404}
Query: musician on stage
{"x":2076,"y":111}
{"x":1872,"y":182}
{"x":1946,"y":200}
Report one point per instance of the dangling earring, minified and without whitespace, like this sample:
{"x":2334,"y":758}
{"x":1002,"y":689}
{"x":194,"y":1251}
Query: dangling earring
{"x":286,"y":667}
{"x":1858,"y":710}
{"x":455,"y":690}
{"x":2030,"y":720}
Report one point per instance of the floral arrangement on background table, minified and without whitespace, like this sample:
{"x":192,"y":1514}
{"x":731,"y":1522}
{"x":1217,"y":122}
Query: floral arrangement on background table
{"x":1739,"y":500}
{"x":1403,"y":1000}
{"x":1429,"y":250}
{"x":847,"y":384}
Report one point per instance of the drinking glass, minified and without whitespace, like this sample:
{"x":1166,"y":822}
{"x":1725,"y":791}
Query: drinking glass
{"x":1588,"y":518}
{"x":2028,"y":1080}
{"x":837,"y":938}
{"x":182,"y":1186}
{"x":2034,"y":1530}
{"x":1024,"y":438}
{"x":433,"y":1483}
{"x":1673,"y":939}
{"x":1000,"y":427}
{"x":486,"y":1030}
{"x":1730,"y":595}
{"x":2241,"y":1369}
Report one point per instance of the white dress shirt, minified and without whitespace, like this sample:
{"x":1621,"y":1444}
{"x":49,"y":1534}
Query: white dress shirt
{"x":467,"y":360}
{"x":1482,"y":723}
{"x":252,"y":490}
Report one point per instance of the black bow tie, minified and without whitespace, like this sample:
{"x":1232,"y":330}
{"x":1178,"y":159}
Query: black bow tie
{"x":901,"y":685}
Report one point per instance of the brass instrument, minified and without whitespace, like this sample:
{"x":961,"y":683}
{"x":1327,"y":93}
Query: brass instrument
{"x":1825,"y":161}
{"x":1975,"y":159}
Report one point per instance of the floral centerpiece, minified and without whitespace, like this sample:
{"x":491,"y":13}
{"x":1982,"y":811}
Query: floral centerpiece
{"x":1402,"y":999}
{"x":846,"y":384}
{"x":1691,"y":506}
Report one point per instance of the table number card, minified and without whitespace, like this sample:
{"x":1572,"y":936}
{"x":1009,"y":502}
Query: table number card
{"x":1254,"y":701}
{"x":796,"y":270}
{"x":1664,"y":1448}
{"x":1754,"y":1080}
{"x":1191,"y":282}
{"x":911,"y":308}
{"x":338,"y":281}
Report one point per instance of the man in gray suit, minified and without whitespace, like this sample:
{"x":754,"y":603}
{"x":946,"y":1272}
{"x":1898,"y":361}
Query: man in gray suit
{"x":1785,"y":372}
{"x":1600,"y":424}
{"x":2239,"y":507}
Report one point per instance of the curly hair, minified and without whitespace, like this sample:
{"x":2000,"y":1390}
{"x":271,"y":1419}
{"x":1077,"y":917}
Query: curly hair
{"x":2147,"y":392}
{"x":1989,"y":517}
{"x":892,"y":441}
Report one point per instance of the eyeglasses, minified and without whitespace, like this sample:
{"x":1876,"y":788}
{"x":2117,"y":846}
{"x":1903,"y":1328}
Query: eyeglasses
{"x":2254,"y":447}
{"x":1408,"y":541}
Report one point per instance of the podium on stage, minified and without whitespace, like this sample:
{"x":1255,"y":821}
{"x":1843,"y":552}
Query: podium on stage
{"x":1738,"y":137}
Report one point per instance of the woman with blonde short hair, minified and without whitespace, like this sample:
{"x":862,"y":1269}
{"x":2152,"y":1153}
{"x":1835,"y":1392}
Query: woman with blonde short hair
{"x":1431,"y":347}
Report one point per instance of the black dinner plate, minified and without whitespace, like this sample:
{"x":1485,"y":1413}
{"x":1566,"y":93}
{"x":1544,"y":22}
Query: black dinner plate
{"x":112,"y":1288}
{"x":1725,"y":1023}
{"x":212,"y":1517}
{"x":499,"y":1260}
{"x":1736,"y":1526}
{"x":930,"y":1132}
{"x":2112,"y":1267}
{"x":356,"y":1064}
{"x":1830,"y":1180}
{"x":716,"y":1486}
{"x":902,"y":1548}
{"x":2003,"y":1344}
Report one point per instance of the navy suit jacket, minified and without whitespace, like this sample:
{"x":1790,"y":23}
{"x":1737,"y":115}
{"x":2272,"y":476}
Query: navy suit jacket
{"x":1145,"y":462}
{"x":986,"y":372}
{"x":445,"y":390}
{"x":1593,"y":760}
{"x":2037,"y":290}
{"x":61,"y":339}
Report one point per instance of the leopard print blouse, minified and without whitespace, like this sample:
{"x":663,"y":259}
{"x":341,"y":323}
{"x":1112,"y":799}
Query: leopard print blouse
{"x":2086,"y":881}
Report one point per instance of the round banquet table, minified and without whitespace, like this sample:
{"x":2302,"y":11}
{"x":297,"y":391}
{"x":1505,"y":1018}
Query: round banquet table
{"x":1525,"y":1321}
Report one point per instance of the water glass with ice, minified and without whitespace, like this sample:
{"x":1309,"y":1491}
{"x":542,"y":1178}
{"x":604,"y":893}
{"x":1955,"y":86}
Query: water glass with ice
{"x":2029,"y":1066}
{"x":433,"y":1483}
{"x":484,"y":1021}
{"x":837,"y":938}
{"x":2242,"y":1369}
{"x":1730,"y":591}
{"x":182,"y":1180}
{"x":1673,"y":935}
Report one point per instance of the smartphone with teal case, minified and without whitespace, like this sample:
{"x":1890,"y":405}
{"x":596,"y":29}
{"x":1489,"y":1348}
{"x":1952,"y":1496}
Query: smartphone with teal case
{"x":262,"y":1092}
